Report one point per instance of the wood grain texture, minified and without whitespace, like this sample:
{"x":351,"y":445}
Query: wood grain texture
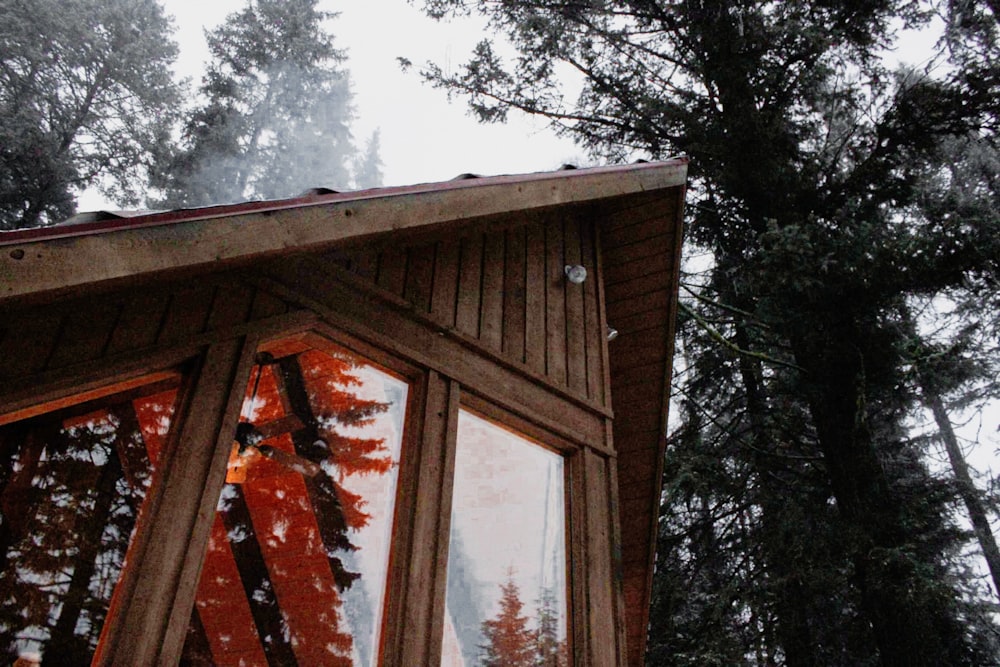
{"x":469,"y":285}
{"x":579,"y":631}
{"x":604,"y":650}
{"x":515,"y":295}
{"x":534,"y":299}
{"x":503,"y":284}
{"x":617,"y":564}
{"x":266,"y":305}
{"x":640,"y":247}
{"x":75,"y":331}
{"x":166,"y":554}
{"x":594,"y":326}
{"x":397,"y":329}
{"x":28,"y":350}
{"x":187,"y":313}
{"x":576,"y":333}
{"x":232,"y":305}
{"x":140,"y":322}
{"x":492,"y":299}
{"x":392,"y":271}
{"x":555,"y":302}
{"x":85,"y":334}
{"x":489,"y":309}
{"x":425,"y":588}
{"x":419,"y":276}
{"x":64,"y":259}
{"x":639,"y":252}
{"x":445,"y":291}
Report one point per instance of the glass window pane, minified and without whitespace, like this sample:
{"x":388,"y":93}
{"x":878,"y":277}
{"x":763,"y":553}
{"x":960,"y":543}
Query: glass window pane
{"x":296,"y":565}
{"x":72,"y":483}
{"x":506,"y":600}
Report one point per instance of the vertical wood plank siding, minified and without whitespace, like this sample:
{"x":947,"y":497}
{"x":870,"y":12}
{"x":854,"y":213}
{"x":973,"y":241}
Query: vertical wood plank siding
{"x":534,"y":299}
{"x":445,"y":293}
{"x":469,"y":285}
{"x":639,"y":248}
{"x":507,"y":289}
{"x":90,"y":329}
{"x":555,"y":303}
{"x":515,"y":293}
{"x":420,"y":276}
{"x":491,"y":312}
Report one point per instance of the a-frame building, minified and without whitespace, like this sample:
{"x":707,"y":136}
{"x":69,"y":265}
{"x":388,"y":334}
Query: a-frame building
{"x":343,"y":428}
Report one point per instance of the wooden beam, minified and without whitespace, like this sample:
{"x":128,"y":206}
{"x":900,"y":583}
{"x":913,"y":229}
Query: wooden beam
{"x":24,"y":393}
{"x":87,"y":395}
{"x":148,"y":623}
{"x":602,"y":603}
{"x":404,"y":333}
{"x":424,"y":595}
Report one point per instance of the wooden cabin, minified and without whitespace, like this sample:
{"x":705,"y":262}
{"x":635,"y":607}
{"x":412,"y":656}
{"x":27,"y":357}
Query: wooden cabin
{"x":406,"y":426}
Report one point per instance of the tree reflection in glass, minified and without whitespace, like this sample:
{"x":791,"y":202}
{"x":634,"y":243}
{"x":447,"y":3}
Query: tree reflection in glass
{"x":72,"y":482}
{"x":506,"y":594}
{"x":296,"y":564}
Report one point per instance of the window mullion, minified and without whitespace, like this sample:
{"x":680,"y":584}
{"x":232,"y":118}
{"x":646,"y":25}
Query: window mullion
{"x":148,"y":621}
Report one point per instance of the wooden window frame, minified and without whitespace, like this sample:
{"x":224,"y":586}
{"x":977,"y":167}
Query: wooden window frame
{"x":572,"y":455}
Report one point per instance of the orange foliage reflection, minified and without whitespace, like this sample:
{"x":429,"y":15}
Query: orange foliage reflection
{"x":295,"y":566}
{"x":72,"y":484}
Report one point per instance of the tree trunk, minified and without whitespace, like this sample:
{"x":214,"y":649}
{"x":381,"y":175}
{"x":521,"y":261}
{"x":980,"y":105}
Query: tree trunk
{"x":966,"y":488}
{"x":907,"y":620}
{"x":65,"y":646}
{"x":791,"y":607}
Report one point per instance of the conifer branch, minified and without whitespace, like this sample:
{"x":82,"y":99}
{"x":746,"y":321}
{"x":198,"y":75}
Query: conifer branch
{"x":718,"y":337}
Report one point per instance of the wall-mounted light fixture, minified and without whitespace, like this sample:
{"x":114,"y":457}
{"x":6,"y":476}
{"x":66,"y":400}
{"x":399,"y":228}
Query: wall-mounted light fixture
{"x":612,"y":333}
{"x":575,"y":273}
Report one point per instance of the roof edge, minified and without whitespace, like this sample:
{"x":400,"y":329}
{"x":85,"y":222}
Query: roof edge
{"x":100,"y":222}
{"x":71,"y":256}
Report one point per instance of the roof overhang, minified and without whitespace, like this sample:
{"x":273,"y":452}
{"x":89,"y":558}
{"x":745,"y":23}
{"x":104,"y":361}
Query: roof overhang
{"x":65,"y":257}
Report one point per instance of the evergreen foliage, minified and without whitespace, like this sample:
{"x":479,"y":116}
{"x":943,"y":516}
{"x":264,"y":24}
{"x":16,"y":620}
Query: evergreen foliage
{"x":509,"y":642}
{"x":86,"y":99}
{"x":829,"y":194}
{"x":510,"y":639}
{"x":275,"y":116}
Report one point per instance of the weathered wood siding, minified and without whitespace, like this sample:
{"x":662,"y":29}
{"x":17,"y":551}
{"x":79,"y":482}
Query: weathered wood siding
{"x":505,"y":289}
{"x":45,"y":340}
{"x":640,"y":246}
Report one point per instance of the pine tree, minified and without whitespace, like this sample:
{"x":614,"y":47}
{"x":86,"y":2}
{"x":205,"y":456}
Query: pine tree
{"x":276,"y":114}
{"x":509,"y":641}
{"x":368,"y":168}
{"x":550,"y":650}
{"x":86,"y":99}
{"x":70,"y":493}
{"x":806,"y":157}
{"x":297,"y":478}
